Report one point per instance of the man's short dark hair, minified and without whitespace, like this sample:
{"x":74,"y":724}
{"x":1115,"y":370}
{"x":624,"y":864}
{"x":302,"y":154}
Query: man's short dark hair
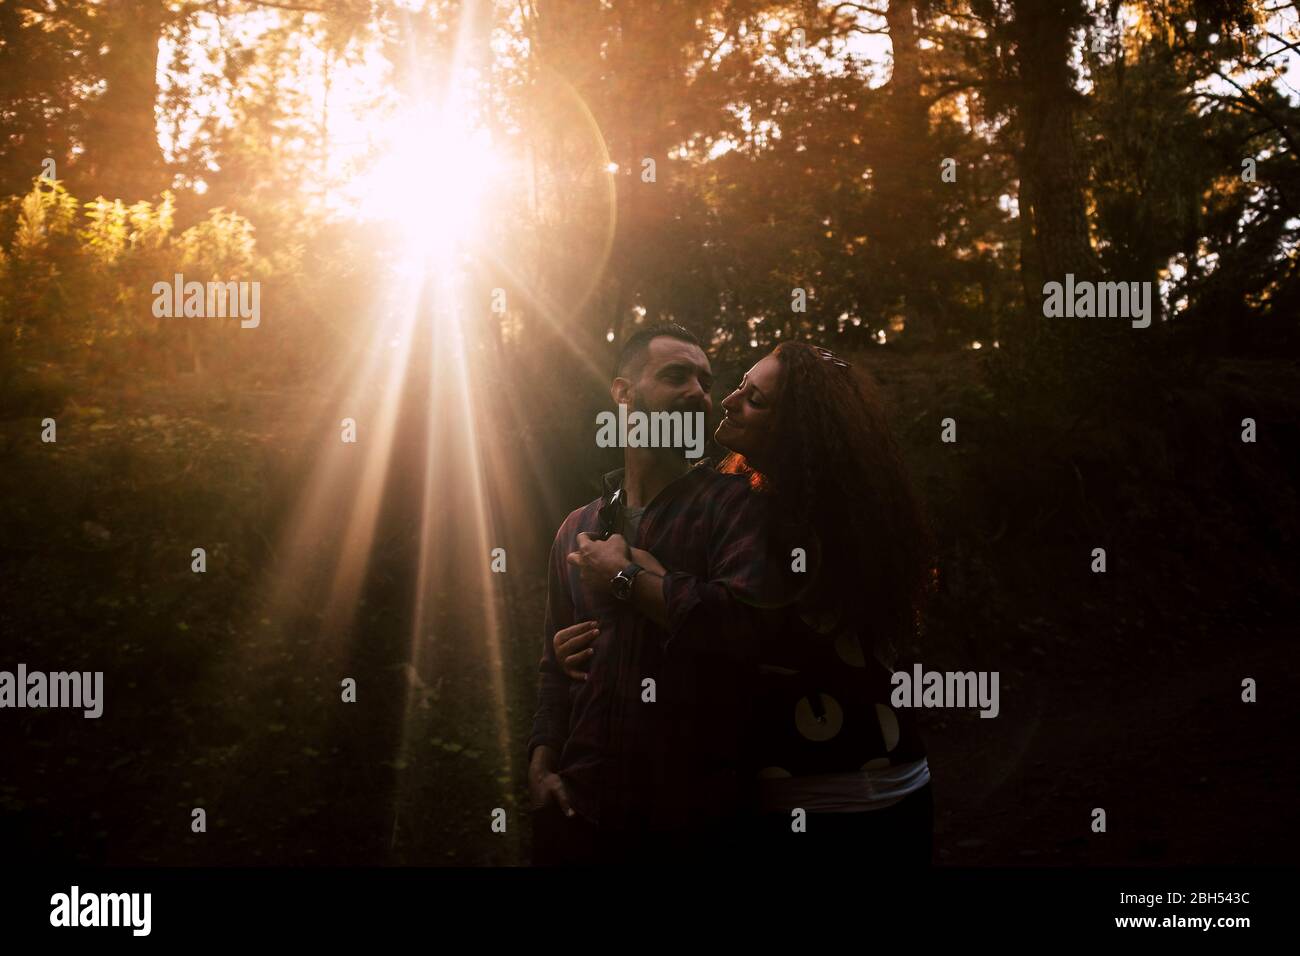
{"x":637,"y":345}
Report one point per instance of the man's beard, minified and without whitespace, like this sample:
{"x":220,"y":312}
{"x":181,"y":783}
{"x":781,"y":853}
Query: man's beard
{"x":688,"y":408}
{"x":635,"y":405}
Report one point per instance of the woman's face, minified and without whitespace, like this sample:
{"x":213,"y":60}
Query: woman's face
{"x":750,"y":412}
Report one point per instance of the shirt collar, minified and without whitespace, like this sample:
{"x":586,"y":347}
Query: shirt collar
{"x":612,"y":481}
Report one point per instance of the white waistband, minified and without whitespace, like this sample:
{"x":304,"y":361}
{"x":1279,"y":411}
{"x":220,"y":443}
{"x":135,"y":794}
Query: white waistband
{"x":844,"y":792}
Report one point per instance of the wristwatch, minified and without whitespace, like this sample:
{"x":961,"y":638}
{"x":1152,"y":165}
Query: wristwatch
{"x":621,"y":583}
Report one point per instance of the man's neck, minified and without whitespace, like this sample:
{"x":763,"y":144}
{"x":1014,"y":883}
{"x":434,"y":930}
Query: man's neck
{"x":648,"y":471}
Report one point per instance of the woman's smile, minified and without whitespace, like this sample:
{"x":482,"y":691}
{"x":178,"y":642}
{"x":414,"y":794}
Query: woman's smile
{"x":728,"y":426}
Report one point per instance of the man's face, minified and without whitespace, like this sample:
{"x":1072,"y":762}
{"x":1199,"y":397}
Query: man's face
{"x":676,"y":377}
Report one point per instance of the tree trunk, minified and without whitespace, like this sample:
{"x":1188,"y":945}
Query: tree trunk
{"x":122,"y":158}
{"x":1052,"y":173}
{"x":1053,"y":213}
{"x":901,"y":176}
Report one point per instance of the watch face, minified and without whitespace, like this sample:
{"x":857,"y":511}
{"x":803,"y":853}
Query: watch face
{"x":621,"y":586}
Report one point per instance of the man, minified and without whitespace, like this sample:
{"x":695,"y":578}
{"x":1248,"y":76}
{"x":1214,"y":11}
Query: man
{"x":640,"y":760}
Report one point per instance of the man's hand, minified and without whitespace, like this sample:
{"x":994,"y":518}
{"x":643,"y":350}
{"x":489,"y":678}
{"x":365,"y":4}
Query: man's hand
{"x":573,"y":650}
{"x":598,"y":561}
{"x":544,"y":784}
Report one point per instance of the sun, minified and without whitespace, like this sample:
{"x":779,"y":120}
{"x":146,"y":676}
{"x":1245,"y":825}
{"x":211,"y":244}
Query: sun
{"x":418,"y":163}
{"x":431,"y":183}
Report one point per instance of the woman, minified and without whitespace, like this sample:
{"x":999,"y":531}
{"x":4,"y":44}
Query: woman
{"x":851,"y":554}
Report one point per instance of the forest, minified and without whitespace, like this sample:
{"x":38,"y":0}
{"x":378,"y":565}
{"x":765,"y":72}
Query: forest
{"x":231,"y":230}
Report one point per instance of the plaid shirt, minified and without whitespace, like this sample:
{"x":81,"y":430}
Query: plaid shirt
{"x":674,"y":762}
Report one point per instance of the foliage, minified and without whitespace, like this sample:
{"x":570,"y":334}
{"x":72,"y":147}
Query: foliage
{"x":1085,"y":136}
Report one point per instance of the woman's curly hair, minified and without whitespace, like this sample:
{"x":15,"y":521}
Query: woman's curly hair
{"x":835,"y":471}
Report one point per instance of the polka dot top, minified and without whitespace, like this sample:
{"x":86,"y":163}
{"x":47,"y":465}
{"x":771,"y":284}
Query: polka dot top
{"x":822,"y":704}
